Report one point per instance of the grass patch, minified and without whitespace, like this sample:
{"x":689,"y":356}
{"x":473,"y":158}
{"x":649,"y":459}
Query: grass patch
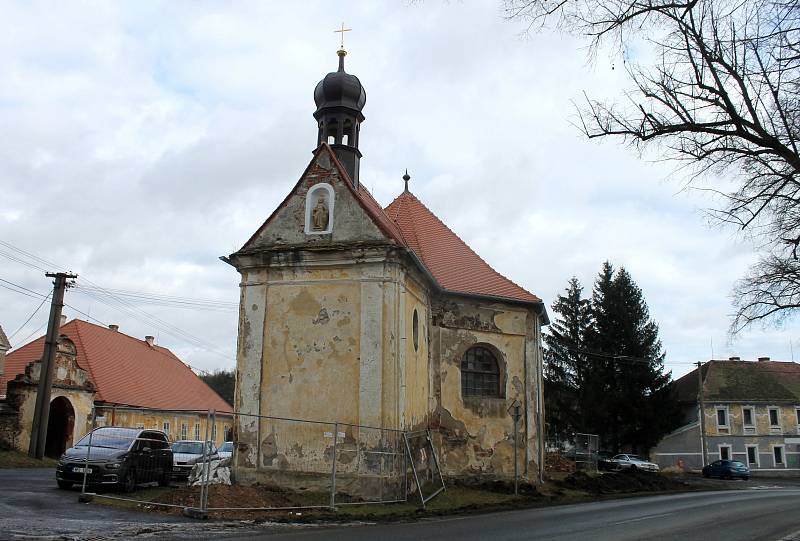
{"x":15,"y":459}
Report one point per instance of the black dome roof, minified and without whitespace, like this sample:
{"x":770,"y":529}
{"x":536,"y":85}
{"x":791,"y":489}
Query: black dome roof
{"x":340,"y":89}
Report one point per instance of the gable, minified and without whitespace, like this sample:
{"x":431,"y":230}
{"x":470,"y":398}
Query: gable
{"x":356,"y":216}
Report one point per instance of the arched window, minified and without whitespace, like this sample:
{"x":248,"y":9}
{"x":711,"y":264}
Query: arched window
{"x":480,"y":373}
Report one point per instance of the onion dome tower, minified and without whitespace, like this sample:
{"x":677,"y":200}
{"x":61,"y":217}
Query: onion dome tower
{"x":340,"y":99}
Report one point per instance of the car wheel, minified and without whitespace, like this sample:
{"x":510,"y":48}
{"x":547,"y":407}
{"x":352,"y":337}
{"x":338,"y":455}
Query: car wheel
{"x":706,"y":475}
{"x":129,"y":481}
{"x":64,"y":485}
{"x":633,"y":467}
{"x":727,"y":476}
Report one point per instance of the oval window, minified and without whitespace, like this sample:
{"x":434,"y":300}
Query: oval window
{"x":415,"y":329}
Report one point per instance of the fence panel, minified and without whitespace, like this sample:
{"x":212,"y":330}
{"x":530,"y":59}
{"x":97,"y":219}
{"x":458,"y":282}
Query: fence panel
{"x":171,"y":458}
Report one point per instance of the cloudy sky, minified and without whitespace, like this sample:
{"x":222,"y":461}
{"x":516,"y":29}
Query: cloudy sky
{"x":143,"y":140}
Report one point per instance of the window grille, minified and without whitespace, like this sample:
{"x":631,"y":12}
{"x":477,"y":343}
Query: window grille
{"x":480,"y":373}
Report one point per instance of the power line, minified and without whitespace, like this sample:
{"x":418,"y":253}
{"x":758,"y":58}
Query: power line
{"x":30,"y":317}
{"x":118,"y":302}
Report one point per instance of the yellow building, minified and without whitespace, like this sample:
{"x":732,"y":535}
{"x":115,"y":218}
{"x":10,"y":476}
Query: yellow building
{"x":128,"y":381}
{"x":378,"y":317}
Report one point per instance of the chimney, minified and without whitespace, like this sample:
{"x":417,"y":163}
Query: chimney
{"x":763,"y":359}
{"x":149,"y":339}
{"x":735,"y":359}
{"x":63,"y":320}
{"x":113,"y":327}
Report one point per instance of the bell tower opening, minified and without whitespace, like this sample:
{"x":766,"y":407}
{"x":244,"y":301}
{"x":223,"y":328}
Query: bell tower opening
{"x":340,"y":98}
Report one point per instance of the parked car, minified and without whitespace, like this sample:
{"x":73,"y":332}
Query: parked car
{"x":225,"y":450}
{"x":118,"y":456}
{"x":632,"y":462}
{"x":727,"y":469}
{"x":604,"y":461}
{"x":187,"y":453}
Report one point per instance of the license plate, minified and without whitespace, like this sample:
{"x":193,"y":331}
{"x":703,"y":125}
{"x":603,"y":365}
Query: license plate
{"x":176,"y":469}
{"x":82,"y":470}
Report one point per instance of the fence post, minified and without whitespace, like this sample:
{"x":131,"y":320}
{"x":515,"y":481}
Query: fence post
{"x":436,"y":460}
{"x":83,"y":498}
{"x":333,"y":468}
{"x":211,"y":430}
{"x":516,"y":460}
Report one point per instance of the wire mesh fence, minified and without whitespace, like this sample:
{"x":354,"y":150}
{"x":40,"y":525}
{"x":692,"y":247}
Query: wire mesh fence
{"x":193,"y":460}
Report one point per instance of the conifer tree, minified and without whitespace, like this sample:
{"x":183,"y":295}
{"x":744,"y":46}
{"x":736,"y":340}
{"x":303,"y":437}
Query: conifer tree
{"x":626,"y":396}
{"x":563,"y":370}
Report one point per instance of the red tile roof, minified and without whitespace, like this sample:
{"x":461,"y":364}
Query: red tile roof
{"x":453,"y":264}
{"x":125,"y":370}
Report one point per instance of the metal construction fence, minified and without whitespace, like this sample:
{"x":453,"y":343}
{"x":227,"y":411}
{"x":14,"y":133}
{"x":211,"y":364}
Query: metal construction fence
{"x":276,"y":464}
{"x":582,"y":450}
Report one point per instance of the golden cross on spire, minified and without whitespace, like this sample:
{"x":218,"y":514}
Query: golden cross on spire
{"x":342,"y":31}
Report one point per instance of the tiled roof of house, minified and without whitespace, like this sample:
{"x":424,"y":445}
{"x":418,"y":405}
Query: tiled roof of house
{"x":125,"y":370}
{"x":451,"y":262}
{"x":4,"y":343}
{"x":743,"y":381}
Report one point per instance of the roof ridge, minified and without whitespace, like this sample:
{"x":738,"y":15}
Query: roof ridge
{"x":406,"y":195}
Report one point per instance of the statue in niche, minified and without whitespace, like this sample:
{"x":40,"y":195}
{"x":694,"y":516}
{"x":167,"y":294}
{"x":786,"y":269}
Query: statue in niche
{"x":319,"y":216}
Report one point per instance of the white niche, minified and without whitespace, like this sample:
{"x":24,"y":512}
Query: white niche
{"x":319,"y":202}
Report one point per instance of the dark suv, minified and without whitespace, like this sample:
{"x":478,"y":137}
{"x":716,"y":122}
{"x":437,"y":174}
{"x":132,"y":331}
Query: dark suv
{"x":120,"y":457}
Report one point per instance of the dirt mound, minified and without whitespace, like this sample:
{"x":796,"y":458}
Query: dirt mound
{"x":621,"y":482}
{"x":554,"y":462}
{"x":241,"y":496}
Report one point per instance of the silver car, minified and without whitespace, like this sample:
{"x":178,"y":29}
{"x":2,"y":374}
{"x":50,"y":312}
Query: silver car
{"x":186,"y":453}
{"x":632,"y":462}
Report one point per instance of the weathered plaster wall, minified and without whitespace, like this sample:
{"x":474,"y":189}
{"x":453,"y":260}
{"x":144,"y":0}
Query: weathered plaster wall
{"x":69,"y":381}
{"x":25,"y":399}
{"x":477,"y":433}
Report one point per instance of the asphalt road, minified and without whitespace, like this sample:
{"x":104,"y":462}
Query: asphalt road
{"x":31,"y":507}
{"x":748,"y":515}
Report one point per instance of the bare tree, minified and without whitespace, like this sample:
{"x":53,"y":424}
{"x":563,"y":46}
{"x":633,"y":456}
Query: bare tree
{"x":723,"y":96}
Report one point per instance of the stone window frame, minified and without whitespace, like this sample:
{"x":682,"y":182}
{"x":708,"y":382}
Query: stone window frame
{"x":197,"y":431}
{"x":747,"y":448}
{"x":501,"y":371}
{"x":165,"y":427}
{"x":727,"y":446}
{"x":184,"y":431}
{"x":797,"y":417}
{"x":309,"y":206}
{"x":782,"y":463}
{"x":774,"y":428}
{"x":723,"y":427}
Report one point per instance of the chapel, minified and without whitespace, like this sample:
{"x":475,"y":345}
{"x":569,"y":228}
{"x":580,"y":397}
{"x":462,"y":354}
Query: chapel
{"x":366,"y":316}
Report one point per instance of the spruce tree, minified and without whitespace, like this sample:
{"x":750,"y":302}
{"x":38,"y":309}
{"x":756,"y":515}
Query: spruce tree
{"x":563,"y":369}
{"x":627,"y":401}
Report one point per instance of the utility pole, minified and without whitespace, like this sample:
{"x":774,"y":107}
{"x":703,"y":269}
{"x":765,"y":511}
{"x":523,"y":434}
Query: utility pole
{"x":41,"y":412}
{"x":702,"y":414}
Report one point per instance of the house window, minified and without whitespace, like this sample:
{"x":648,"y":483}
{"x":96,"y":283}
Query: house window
{"x":797,"y":414}
{"x":725,"y":452}
{"x":183,"y":431}
{"x":480,"y":373}
{"x":226,"y":432}
{"x":722,"y":417}
{"x":747,"y":417}
{"x":752,"y":455}
{"x":166,"y":428}
{"x":197,"y":431}
{"x":774,"y":419}
{"x":214,"y":432}
{"x":777,"y":455}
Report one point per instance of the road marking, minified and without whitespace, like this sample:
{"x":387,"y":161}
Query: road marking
{"x":648,"y":517}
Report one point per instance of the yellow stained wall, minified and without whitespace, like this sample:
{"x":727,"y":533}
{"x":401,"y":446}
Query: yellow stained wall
{"x":477,"y":432}
{"x":109,"y":416}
